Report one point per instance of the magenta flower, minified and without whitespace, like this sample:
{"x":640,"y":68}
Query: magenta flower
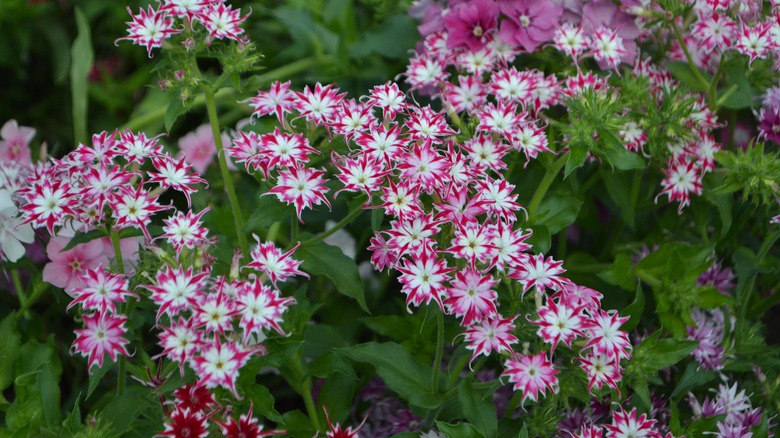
{"x":470,"y":24}
{"x":531,"y":22}
{"x":103,"y":334}
{"x":533,"y":375}
{"x":66,"y":267}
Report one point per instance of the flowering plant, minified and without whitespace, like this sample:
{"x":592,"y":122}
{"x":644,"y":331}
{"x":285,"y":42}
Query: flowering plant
{"x":558,"y":219}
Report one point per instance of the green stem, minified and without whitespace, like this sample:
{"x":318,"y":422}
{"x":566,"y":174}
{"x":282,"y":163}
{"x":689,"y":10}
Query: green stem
{"x":722,"y":99}
{"x":696,"y":72}
{"x":115,"y":242}
{"x":341,"y":224}
{"x":211,"y":108}
{"x":311,"y":408}
{"x":439,"y":352}
{"x":545,"y":184}
{"x":18,"y":286}
{"x":122,"y":373}
{"x":29,"y":301}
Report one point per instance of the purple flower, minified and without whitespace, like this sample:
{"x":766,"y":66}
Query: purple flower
{"x":769,"y":124}
{"x":470,"y":24}
{"x":719,"y":278}
{"x":531,"y":22}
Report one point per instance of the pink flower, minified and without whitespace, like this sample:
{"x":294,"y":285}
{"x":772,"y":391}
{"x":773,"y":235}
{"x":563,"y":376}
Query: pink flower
{"x":626,"y":424}
{"x":471,"y":23}
{"x":15,"y":145}
{"x":531,"y":22}
{"x":532,"y":375}
{"x":103,"y":334}
{"x":199,"y":147}
{"x":604,"y":14}
{"x":149,"y":28}
{"x":66,"y":267}
{"x":219,"y":363}
{"x":490,"y":334}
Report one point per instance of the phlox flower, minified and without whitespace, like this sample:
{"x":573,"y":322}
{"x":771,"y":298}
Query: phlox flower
{"x":500,"y":200}
{"x":361,"y":174}
{"x":175,"y":174}
{"x":66,"y":267}
{"x":185,"y":422}
{"x":319,"y":104}
{"x":458,"y":207}
{"x":425,"y":71}
{"x":270,"y":260}
{"x":49,"y":202}
{"x":15,"y":143}
{"x":714,"y":31}
{"x":490,"y":334}
{"x":196,"y":397}
{"x":176,"y":289}
{"x":218,"y":363}
{"x":336,"y":431}
{"x":351,"y":118}
{"x":135,"y":148}
{"x":755,"y":42}
{"x":627,"y":424}
{"x":246,"y":426}
{"x":484,"y":153}
{"x":472,"y":242}
{"x":531,"y":140}
{"x":101,"y":151}
{"x":509,"y":245}
{"x":382,"y":253}
{"x":617,"y":25}
{"x":422,"y":278}
{"x":149,"y":28}
{"x":471,"y":296}
{"x":100,"y":183}
{"x":389,"y":98}
{"x":608,"y":48}
{"x":533,"y":375}
{"x":575,"y":295}
{"x":13,"y":233}
{"x":531,"y":22}
{"x":278,"y":100}
{"x":262,"y":308}
{"x":301,"y":186}
{"x":185,"y":230}
{"x":559,"y":322}
{"x":180,"y":341}
{"x":471,"y":23}
{"x":221,"y":21}
{"x":183,"y":8}
{"x":601,"y":369}
{"x":589,"y":431}
{"x":571,"y":40}
{"x":401,"y":200}
{"x":427,"y":124}
{"x":134,"y":209}
{"x":281,"y":149}
{"x":101,"y":291}
{"x":683,"y":178}
{"x":536,"y":271}
{"x":413,"y":235}
{"x":102,"y":335}
{"x":511,"y":86}
{"x":214,"y":312}
{"x":500,"y":118}
{"x":423,"y":167}
{"x":604,"y":336}
{"x":469,"y":95}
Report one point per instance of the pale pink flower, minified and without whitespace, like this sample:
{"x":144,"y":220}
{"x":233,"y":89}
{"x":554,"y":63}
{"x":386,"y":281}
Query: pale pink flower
{"x":15,"y":145}
{"x":66,"y":267}
{"x":199,"y":147}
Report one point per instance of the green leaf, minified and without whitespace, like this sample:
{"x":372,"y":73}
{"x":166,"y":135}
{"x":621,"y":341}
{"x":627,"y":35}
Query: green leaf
{"x":619,"y":189}
{"x":478,"y":409}
{"x":683,"y":72}
{"x":692,"y":378}
{"x":577,"y":155}
{"x":634,"y":310}
{"x":82,"y":56}
{"x":122,"y":411}
{"x":268,"y":211}
{"x":263,"y":402}
{"x":460,"y":430}
{"x":399,"y":370}
{"x":328,"y":260}
{"x":657,"y":354}
{"x":80,"y":238}
{"x":96,"y":377}
{"x":710,"y":298}
{"x":329,"y":364}
{"x":737,"y":74}
{"x":337,"y":393}
{"x":557,"y":210}
{"x":623,"y":159}
{"x":540,"y":240}
{"x":377,"y":217}
{"x":174,"y":110}
{"x":620,"y":273}
{"x":10,"y":344}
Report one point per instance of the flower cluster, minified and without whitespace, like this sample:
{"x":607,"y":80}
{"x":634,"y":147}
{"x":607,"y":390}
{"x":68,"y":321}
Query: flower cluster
{"x":150,"y":28}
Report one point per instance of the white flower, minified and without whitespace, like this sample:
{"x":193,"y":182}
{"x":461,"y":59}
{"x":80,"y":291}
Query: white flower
{"x":12,"y":231}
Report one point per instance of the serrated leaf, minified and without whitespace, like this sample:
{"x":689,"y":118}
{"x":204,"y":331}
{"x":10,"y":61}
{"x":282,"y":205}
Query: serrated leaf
{"x":80,"y":238}
{"x":478,"y":409}
{"x":399,"y":370}
{"x":577,"y":155}
{"x":328,"y":260}
{"x":460,"y":430}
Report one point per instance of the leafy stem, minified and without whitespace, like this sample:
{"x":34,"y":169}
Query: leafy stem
{"x":341,"y":224}
{"x":439,"y":352}
{"x":211,"y":108}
